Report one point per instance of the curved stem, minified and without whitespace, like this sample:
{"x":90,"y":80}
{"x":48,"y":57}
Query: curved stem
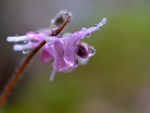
{"x":15,"y":77}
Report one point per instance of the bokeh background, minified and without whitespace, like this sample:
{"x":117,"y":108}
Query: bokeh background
{"x":115,"y":80}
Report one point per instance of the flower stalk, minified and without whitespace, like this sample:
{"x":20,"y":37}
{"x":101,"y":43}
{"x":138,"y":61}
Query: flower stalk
{"x":15,"y":77}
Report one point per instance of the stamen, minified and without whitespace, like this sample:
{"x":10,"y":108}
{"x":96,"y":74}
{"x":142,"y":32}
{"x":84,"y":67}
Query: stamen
{"x":52,"y":75}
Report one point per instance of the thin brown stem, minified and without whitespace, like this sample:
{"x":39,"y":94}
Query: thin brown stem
{"x":15,"y":77}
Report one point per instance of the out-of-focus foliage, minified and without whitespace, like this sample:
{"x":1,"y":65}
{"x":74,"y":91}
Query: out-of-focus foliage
{"x":115,"y":80}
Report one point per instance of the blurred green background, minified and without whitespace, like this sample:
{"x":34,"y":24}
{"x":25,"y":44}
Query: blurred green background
{"x":115,"y":80}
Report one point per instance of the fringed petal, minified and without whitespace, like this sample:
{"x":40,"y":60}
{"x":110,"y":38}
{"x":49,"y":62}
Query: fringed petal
{"x":76,"y":37}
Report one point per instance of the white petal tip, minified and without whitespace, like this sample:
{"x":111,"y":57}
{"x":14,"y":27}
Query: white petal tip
{"x":17,"y":38}
{"x":104,"y":20}
{"x":18,"y":47}
{"x":10,"y":39}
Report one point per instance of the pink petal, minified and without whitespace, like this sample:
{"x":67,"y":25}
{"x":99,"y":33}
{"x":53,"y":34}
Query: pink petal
{"x":76,"y":37}
{"x":45,"y":56}
{"x":59,"y":63}
{"x":70,"y":48}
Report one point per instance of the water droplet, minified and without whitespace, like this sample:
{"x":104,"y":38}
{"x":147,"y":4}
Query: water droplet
{"x":95,"y":25}
{"x":80,"y":32}
{"x":83,"y":28}
{"x":15,"y":39}
{"x":25,"y":41}
{"x":99,"y":28}
{"x":25,"y":51}
{"x":77,"y":62}
{"x":54,"y":30}
{"x":70,"y":62}
{"x":48,"y":44}
{"x":88,"y":35}
{"x":92,"y":51}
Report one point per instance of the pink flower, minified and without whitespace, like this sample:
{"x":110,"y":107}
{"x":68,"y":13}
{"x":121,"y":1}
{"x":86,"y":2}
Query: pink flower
{"x":66,"y":51}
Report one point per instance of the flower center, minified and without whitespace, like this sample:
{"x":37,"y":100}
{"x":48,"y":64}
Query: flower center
{"x":81,"y":51}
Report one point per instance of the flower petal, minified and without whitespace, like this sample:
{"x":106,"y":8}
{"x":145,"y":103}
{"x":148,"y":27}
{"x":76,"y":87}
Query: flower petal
{"x":76,"y":37}
{"x":59,"y":63}
{"x":45,"y":56}
{"x":82,"y":61}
